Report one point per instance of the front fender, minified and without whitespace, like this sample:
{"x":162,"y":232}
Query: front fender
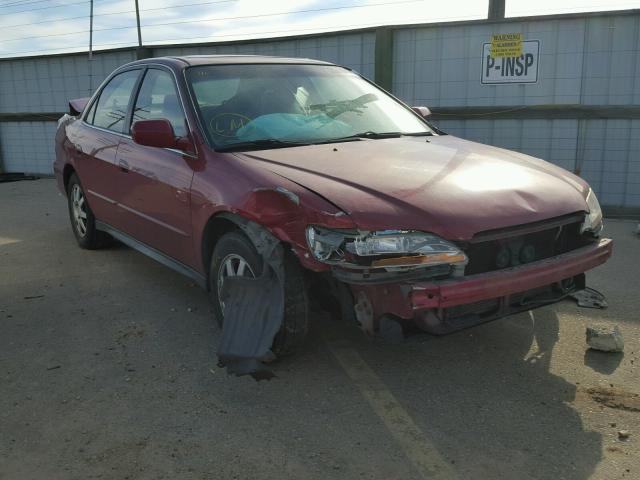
{"x":282,"y":213}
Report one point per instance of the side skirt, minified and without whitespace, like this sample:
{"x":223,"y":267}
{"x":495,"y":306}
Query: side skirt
{"x":153,"y":253}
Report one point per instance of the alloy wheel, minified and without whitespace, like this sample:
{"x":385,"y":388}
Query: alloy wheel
{"x":233,"y":265}
{"x":79,"y":210}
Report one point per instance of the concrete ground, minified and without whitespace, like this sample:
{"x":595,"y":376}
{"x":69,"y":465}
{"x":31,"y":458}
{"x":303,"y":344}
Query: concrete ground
{"x":108,"y":370}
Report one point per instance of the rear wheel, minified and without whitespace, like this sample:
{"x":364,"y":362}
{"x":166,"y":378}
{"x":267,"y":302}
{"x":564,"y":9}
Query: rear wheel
{"x":235,"y":255}
{"x":83,"y":223}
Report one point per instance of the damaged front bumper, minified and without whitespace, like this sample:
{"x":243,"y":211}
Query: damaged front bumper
{"x":442,"y":306}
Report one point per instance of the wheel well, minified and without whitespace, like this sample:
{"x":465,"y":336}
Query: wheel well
{"x":216,"y":228}
{"x":66,"y":175}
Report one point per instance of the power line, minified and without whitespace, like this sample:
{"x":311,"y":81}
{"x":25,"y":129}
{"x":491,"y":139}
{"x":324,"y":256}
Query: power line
{"x":22,"y":3}
{"x":52,"y":6}
{"x":337,"y":29}
{"x":49,"y":7}
{"x":218,"y":19}
{"x":116,"y":13}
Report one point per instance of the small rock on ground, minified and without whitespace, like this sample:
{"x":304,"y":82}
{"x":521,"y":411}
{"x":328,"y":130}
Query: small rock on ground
{"x":605,"y":338}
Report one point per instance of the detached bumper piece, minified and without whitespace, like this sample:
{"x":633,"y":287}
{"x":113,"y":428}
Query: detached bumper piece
{"x":441,"y":307}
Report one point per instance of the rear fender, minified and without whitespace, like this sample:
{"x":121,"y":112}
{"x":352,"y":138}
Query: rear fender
{"x":63,"y":161}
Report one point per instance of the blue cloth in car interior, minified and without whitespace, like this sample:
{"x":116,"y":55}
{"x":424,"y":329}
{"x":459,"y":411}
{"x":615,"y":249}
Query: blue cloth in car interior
{"x":293,"y":126}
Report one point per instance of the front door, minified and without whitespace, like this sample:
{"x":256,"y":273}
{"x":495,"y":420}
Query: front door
{"x":153,"y":185}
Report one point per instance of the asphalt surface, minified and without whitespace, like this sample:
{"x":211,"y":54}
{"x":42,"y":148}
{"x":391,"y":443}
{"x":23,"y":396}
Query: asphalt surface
{"x":108,"y":370}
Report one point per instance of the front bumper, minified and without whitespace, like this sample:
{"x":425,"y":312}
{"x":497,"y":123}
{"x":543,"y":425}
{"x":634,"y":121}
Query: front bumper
{"x":435,"y":298}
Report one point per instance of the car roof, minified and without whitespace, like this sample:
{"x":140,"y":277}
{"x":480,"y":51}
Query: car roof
{"x":191,"y":60}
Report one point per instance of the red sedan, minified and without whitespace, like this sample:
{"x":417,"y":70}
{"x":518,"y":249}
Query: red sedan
{"x":232,"y":166}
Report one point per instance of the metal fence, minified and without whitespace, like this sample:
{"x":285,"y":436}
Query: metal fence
{"x":591,"y":61}
{"x":582,"y":112}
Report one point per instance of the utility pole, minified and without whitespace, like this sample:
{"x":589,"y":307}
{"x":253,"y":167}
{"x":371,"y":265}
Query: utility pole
{"x":138,"y":22}
{"x":90,"y":46}
{"x":140,"y":52}
{"x":496,"y":10}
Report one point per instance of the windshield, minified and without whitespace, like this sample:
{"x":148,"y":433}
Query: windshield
{"x":241,"y":105}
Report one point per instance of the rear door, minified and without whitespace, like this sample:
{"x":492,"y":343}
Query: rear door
{"x":95,"y":142}
{"x":153,"y":184}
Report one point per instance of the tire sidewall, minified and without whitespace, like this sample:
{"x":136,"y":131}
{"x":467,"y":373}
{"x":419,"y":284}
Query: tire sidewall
{"x":85,"y":241}
{"x":230,"y":243}
{"x":295,"y":319}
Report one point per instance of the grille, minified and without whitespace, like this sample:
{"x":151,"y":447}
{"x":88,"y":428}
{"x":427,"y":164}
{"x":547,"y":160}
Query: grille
{"x":516,"y":249}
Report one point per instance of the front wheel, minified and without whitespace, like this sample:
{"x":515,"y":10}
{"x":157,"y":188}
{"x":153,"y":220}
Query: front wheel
{"x":235,"y":255}
{"x":83,"y":222}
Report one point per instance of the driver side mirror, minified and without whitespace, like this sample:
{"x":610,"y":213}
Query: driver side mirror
{"x":154,"y":133}
{"x":424,"y":112}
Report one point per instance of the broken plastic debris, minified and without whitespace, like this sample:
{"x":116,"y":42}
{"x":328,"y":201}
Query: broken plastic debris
{"x":364,"y":313}
{"x":253,"y":309}
{"x":589,"y":298}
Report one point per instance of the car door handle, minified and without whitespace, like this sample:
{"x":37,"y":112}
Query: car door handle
{"x":182,"y":196}
{"x":124,"y":166}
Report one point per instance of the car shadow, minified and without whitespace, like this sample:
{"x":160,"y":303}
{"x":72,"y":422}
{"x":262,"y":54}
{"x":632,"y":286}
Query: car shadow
{"x":486,"y":397}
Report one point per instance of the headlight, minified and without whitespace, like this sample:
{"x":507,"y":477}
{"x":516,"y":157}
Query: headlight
{"x":593,"y":221}
{"x":324,"y":243}
{"x":397,"y":248}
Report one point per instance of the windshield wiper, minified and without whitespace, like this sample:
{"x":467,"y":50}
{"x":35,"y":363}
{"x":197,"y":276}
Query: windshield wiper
{"x":262,"y":144}
{"x":367,"y":134}
{"x":376,"y":136}
{"x":418,"y":134}
{"x":267,"y":143}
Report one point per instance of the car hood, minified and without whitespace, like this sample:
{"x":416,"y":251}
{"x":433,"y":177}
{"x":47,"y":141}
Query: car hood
{"x":442,"y":184}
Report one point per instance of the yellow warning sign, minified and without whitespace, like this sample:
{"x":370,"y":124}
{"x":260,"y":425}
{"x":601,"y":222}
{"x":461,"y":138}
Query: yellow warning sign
{"x":506,"y":45}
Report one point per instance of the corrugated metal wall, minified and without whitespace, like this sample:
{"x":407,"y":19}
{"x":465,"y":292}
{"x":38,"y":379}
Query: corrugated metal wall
{"x":353,"y":50}
{"x":47,"y":84}
{"x":587,"y":61}
{"x":44,"y":85}
{"x":28,"y":146}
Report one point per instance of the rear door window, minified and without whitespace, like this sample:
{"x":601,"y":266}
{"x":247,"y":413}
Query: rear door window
{"x":111,"y":110}
{"x":158,"y":99}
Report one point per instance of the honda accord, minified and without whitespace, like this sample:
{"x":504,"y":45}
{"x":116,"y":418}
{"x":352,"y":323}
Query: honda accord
{"x":202,"y":161}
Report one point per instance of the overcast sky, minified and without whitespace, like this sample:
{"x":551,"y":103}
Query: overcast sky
{"x":31,"y":27}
